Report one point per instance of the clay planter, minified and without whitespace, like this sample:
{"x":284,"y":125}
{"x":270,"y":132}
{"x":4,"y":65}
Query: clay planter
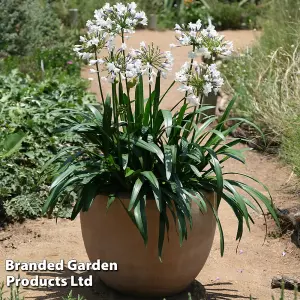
{"x":111,"y":236}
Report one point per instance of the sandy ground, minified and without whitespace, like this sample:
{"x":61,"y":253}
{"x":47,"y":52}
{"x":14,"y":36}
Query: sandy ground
{"x":235,"y":276}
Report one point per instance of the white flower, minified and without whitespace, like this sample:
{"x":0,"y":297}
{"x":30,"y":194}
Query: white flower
{"x":196,"y":26}
{"x":141,"y":16}
{"x":207,"y":88}
{"x":142,"y":44}
{"x":198,"y":78}
{"x":177,"y":27}
{"x":91,"y":79}
{"x":185,"y":88}
{"x":132,"y":6}
{"x":93,"y":62}
{"x":204,"y":52}
{"x":92,"y":71}
{"x":206,"y":41}
{"x":193,"y":100}
{"x":173,"y":46}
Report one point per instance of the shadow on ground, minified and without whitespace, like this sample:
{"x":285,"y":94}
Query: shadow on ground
{"x":100,"y":291}
{"x":222,"y":291}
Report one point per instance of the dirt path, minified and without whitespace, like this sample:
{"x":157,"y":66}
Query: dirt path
{"x":235,"y":276}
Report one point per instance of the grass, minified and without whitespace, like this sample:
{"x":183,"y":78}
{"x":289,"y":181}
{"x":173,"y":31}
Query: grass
{"x":267,"y":80}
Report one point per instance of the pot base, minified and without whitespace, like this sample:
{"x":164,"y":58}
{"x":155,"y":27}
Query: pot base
{"x":196,"y":289}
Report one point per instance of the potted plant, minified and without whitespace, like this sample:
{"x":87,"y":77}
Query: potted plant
{"x":149,"y":181}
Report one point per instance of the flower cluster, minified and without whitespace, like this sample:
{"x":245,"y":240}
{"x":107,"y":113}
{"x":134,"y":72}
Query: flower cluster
{"x":198,"y":79}
{"x":121,"y":63}
{"x":109,"y":22}
{"x":147,"y":60}
{"x":206,"y":42}
{"x":150,"y":60}
{"x":119,"y":18}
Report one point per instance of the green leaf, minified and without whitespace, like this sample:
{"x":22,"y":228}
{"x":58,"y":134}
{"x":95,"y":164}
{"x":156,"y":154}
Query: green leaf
{"x":157,"y":95}
{"x":128,"y":172}
{"x":257,"y":196}
{"x":151,"y":147}
{"x":239,"y":200}
{"x":163,"y":221}
{"x":63,"y":176}
{"x":12,"y":143}
{"x":88,"y":194}
{"x":219,"y":227}
{"x":168,"y":160}
{"x":233,"y":153}
{"x":215,"y":165}
{"x":174,"y":157}
{"x":139,"y":103}
{"x":168,"y":121}
{"x":96,"y":113}
{"x":77,"y":208}
{"x":56,"y":192}
{"x":121,"y":98}
{"x":107,"y":121}
{"x":238,"y":213}
{"x":135,"y":193}
{"x":155,"y":188}
{"x":110,"y":200}
{"x":226,"y":113}
{"x":202,"y":128}
{"x":181,"y":225}
{"x":141,"y":218}
{"x":148,"y":110}
{"x":174,"y":136}
{"x":124,"y":161}
{"x":129,"y":112}
{"x":195,"y":171}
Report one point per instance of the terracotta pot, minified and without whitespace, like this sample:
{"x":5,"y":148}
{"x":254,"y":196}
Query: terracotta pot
{"x":112,"y":237}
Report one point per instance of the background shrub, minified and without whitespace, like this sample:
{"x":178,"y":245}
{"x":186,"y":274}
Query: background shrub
{"x":56,"y":60}
{"x":267,"y":80}
{"x":27,"y":25}
{"x":32,"y":107}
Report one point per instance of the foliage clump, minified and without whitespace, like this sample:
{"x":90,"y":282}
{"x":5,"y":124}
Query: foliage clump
{"x":31,"y":107}
{"x":266,"y":78}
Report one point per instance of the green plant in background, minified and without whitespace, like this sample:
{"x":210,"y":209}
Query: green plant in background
{"x":11,"y":144}
{"x":266,"y":79}
{"x":27,"y":25}
{"x":149,"y":150}
{"x":223,"y":15}
{"x":43,"y":63}
{"x":14,"y":293}
{"x":30,"y":107}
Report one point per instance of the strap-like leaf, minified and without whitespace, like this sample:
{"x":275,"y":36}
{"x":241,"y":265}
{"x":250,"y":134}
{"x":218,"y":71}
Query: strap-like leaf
{"x":167,"y":115}
{"x":135,"y":193}
{"x":168,"y":160}
{"x":155,"y":187}
{"x":141,"y":219}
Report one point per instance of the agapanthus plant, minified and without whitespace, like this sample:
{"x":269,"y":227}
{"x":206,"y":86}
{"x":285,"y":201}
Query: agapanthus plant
{"x":135,"y":146}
